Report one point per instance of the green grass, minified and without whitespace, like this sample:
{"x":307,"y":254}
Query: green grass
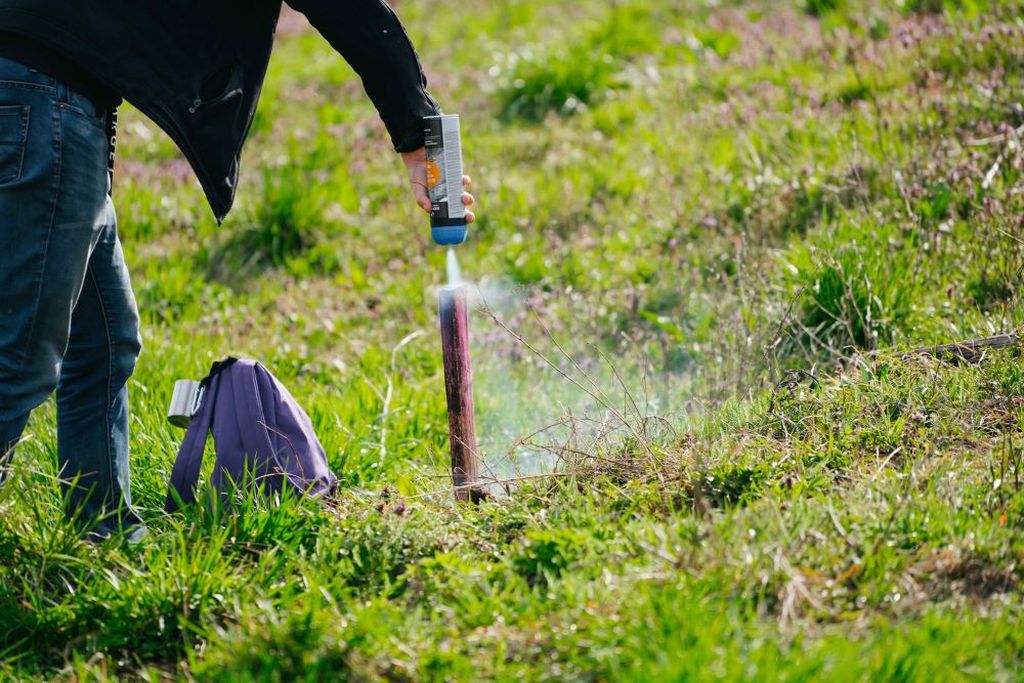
{"x":717,"y":226}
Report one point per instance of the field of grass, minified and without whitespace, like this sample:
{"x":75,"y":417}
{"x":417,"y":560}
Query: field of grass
{"x":708,"y":231}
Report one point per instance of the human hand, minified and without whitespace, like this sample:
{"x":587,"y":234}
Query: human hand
{"x":416,"y":165}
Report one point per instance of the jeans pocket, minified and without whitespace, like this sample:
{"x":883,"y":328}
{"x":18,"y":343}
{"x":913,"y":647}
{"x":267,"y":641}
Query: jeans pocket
{"x":13,"y":134}
{"x":83,"y":107}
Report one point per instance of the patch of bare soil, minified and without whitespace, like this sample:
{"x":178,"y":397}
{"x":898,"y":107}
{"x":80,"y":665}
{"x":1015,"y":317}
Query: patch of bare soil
{"x":949,"y":573}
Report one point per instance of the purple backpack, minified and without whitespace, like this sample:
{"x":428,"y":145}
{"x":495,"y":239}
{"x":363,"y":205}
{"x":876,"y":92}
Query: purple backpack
{"x":258,"y":430}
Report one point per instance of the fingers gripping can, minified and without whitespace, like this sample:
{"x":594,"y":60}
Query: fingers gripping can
{"x":444,"y":179}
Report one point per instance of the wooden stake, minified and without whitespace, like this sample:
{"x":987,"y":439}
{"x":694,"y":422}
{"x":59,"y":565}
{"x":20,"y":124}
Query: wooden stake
{"x":458,"y":382}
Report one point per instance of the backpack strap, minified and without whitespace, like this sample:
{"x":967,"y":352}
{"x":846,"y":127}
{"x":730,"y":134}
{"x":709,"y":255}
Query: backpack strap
{"x":185,"y":474}
{"x":217,"y":368}
{"x":255,"y":434}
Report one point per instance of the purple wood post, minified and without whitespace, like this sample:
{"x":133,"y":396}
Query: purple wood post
{"x":458,"y":383}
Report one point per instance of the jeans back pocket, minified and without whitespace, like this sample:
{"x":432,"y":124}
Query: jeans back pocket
{"x":13,"y":134}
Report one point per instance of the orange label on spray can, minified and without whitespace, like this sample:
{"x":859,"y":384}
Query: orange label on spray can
{"x":433,"y":174}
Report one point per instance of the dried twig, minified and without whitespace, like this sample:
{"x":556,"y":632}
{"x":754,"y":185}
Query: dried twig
{"x":968,"y":350}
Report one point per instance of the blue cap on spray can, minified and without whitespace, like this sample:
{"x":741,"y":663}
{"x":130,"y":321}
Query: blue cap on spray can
{"x":449,"y":235}
{"x":444,"y":179}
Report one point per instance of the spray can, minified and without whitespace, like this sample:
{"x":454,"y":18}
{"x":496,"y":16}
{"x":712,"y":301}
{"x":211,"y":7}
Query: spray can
{"x":444,"y":178}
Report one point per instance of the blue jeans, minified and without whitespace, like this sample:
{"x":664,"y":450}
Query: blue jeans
{"x":68,"y":319}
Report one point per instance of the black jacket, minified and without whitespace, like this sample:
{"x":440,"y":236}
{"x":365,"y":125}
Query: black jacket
{"x":195,"y":67}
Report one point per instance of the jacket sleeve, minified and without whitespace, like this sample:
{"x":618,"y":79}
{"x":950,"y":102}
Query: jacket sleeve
{"x":368,"y":34}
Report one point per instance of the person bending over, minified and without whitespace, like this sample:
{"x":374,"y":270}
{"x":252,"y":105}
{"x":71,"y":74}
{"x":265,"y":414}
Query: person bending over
{"x":68,"y":318}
